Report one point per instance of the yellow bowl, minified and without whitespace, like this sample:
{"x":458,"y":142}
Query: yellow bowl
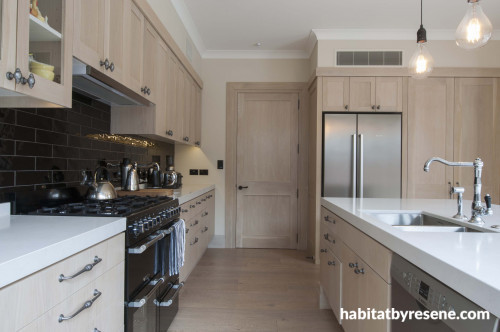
{"x":39,"y":65}
{"x":44,"y":73}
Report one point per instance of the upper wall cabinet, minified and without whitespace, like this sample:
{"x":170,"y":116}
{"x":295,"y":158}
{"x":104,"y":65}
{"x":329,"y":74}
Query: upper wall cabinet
{"x":36,"y":52}
{"x":99,"y":34}
{"x":363,"y":94}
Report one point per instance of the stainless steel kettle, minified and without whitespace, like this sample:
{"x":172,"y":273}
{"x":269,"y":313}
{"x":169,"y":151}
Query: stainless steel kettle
{"x":170,"y":178}
{"x":155,"y":176}
{"x":132,"y":183}
{"x":100,"y":190}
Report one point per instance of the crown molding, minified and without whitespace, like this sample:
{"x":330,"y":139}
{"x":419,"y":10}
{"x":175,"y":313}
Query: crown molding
{"x":387,"y":34}
{"x":188,"y":22}
{"x":255,"y":54}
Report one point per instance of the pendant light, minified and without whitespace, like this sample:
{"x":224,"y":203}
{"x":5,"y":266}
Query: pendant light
{"x":421,"y":63}
{"x":475,"y":29}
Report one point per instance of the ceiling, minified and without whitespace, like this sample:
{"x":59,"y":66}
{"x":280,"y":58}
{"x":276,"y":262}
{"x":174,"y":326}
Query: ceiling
{"x":287,"y":25}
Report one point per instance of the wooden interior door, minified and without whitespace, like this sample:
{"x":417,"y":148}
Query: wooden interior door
{"x":476,"y":112}
{"x":430,"y":134}
{"x":266,"y":166}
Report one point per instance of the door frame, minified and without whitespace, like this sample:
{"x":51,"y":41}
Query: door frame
{"x":232,"y":90}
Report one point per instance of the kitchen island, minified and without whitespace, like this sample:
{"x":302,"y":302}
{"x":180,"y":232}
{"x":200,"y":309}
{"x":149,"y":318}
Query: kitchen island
{"x":468,"y":262}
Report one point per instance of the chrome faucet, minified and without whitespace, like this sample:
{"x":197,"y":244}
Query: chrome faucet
{"x":478,"y":209}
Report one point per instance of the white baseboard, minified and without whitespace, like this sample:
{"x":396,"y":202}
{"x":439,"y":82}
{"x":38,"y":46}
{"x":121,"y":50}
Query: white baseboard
{"x":218,"y":241}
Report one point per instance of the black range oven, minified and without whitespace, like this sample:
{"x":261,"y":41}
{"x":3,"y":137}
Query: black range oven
{"x":151,"y":294}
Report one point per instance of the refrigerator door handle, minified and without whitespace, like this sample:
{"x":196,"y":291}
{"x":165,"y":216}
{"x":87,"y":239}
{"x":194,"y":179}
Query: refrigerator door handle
{"x":354,"y":172}
{"x":360,"y":191}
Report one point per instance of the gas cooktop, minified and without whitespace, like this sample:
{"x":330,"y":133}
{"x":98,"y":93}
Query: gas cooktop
{"x":122,"y":206}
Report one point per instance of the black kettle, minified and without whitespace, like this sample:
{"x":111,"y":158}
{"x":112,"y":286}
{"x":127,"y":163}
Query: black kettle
{"x":155,"y":176}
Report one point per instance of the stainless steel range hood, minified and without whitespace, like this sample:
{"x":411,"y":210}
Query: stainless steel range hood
{"x":94,"y":84}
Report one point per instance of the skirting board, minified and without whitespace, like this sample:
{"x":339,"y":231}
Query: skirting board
{"x":218,"y":241}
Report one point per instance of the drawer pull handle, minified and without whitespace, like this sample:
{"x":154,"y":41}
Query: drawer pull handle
{"x":187,"y":230}
{"x":153,"y":239}
{"x":204,"y":214}
{"x":86,"y":305}
{"x":327,"y":219}
{"x":359,"y":271}
{"x":194,"y":242}
{"x":203,"y":199}
{"x":139,"y":303}
{"x":198,"y":203}
{"x":331,"y":263}
{"x":184,"y":210}
{"x":171,"y":300}
{"x":204,"y":229}
{"x":194,"y":224}
{"x":86,"y":268}
{"x":353,"y":265}
{"x":323,"y":250}
{"x":192,"y":206}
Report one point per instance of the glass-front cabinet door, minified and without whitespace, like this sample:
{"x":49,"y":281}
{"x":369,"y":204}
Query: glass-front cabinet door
{"x":44,"y":49}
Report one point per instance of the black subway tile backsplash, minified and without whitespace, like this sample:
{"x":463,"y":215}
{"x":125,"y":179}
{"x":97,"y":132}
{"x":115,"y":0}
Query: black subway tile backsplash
{"x":30,"y":119}
{"x":46,"y":148}
{"x":9,"y":131}
{"x":33,"y":149}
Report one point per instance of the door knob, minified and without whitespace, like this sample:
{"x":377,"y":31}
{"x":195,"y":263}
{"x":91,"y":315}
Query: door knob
{"x":242,"y":187}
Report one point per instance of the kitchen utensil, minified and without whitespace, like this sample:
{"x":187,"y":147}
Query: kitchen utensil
{"x":132,"y":183}
{"x":102,"y":189}
{"x":170,"y":177}
{"x":155,"y":176}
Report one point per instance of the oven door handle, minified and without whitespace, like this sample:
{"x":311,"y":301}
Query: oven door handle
{"x":139,"y":303}
{"x":142,"y":248}
{"x":171,"y":300}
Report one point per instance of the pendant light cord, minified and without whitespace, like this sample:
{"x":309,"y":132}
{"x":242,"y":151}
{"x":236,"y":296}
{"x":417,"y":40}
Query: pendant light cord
{"x":421,"y":11}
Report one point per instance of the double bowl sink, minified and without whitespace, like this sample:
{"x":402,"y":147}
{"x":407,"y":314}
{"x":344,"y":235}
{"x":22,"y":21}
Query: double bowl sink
{"x":411,"y":221}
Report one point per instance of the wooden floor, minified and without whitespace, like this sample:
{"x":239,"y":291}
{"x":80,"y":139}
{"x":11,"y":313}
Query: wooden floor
{"x":253,"y":290}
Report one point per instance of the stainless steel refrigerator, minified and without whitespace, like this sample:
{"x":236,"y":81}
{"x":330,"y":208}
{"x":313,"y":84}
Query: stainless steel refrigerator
{"x":362,"y":155}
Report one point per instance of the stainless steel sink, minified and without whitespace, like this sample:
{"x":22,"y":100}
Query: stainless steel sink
{"x":418,"y":222}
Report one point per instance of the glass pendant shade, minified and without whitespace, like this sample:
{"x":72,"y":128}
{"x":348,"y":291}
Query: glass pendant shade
{"x":421,"y":63}
{"x":475,"y":29}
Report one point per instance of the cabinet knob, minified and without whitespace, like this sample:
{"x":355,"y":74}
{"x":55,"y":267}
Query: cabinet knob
{"x":170,"y":133}
{"x":323,"y":250}
{"x":331,"y":263}
{"x":148,"y":91}
{"x":144,"y":90}
{"x":346,"y":107}
{"x":197,"y":143}
{"x":359,"y":271}
{"x":378,"y":107}
{"x":373,"y":107}
{"x":112,"y":67}
{"x":104,"y":64}
{"x":186,"y":139}
{"x":353,"y":265}
{"x":31,"y":81}
{"x":17,"y":75}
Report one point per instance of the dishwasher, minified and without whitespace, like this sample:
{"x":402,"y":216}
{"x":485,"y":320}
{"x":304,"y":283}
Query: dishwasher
{"x":415,"y":290}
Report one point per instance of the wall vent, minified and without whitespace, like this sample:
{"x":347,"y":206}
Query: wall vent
{"x":370,"y":58}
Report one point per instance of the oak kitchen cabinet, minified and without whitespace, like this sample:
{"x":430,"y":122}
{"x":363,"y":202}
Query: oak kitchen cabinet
{"x":354,"y":272}
{"x":36,"y":302}
{"x":452,"y":118}
{"x":363,"y":94}
{"x":99,"y":27}
{"x":199,"y":216}
{"x":23,"y":34}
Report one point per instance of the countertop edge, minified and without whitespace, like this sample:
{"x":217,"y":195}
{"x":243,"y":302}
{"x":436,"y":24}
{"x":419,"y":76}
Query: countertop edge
{"x":484,"y":295}
{"x":23,"y":266}
{"x":183,"y":198}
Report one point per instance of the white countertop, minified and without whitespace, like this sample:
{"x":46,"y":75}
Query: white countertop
{"x":31,"y":243}
{"x":466,"y":262}
{"x":189,"y":191}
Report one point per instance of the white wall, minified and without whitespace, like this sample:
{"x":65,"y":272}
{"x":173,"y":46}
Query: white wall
{"x":216,"y":73}
{"x":445,"y":53}
{"x":169,"y":17}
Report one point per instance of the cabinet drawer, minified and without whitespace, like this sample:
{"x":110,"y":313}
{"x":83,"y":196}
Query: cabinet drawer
{"x":105,"y":313}
{"x":373,"y":253}
{"x":188,"y":209}
{"x":44,"y":290}
{"x":330,"y":239}
{"x":331,"y":219}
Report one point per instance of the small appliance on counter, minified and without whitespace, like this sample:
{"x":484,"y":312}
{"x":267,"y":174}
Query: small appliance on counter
{"x":172,"y":179}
